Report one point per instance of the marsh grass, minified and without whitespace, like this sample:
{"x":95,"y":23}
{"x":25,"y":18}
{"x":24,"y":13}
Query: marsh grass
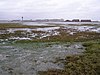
{"x":63,"y":37}
{"x":18,"y":25}
{"x":86,"y":64}
{"x":77,"y":37}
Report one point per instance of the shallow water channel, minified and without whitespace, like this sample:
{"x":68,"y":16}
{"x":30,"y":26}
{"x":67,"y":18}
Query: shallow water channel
{"x":29,"y":58}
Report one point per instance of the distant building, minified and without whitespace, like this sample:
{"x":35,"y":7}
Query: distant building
{"x":15,"y":20}
{"x":56,"y":20}
{"x":68,"y":21}
{"x":28,"y":21}
{"x":85,"y":20}
{"x":50,"y":20}
{"x":75,"y":20}
{"x":41,"y":20}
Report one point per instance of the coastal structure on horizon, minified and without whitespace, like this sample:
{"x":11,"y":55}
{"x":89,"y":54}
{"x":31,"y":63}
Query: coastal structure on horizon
{"x":49,"y":20}
{"x":22,"y":18}
{"x":86,"y":21}
{"x":53,"y":20}
{"x":77,"y":20}
{"x":40,"y":20}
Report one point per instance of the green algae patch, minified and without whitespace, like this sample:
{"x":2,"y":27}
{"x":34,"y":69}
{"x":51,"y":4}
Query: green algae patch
{"x":86,"y":64}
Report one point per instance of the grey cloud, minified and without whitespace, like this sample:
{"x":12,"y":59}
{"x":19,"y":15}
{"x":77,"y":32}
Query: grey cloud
{"x":13,"y":9}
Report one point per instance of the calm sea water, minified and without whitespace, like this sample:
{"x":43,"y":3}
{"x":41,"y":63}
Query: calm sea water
{"x":48,"y":23}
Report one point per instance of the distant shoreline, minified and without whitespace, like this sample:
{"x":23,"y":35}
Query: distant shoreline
{"x":48,"y":23}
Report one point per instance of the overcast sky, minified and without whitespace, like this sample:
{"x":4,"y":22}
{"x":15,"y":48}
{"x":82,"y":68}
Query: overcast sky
{"x":43,"y":9}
